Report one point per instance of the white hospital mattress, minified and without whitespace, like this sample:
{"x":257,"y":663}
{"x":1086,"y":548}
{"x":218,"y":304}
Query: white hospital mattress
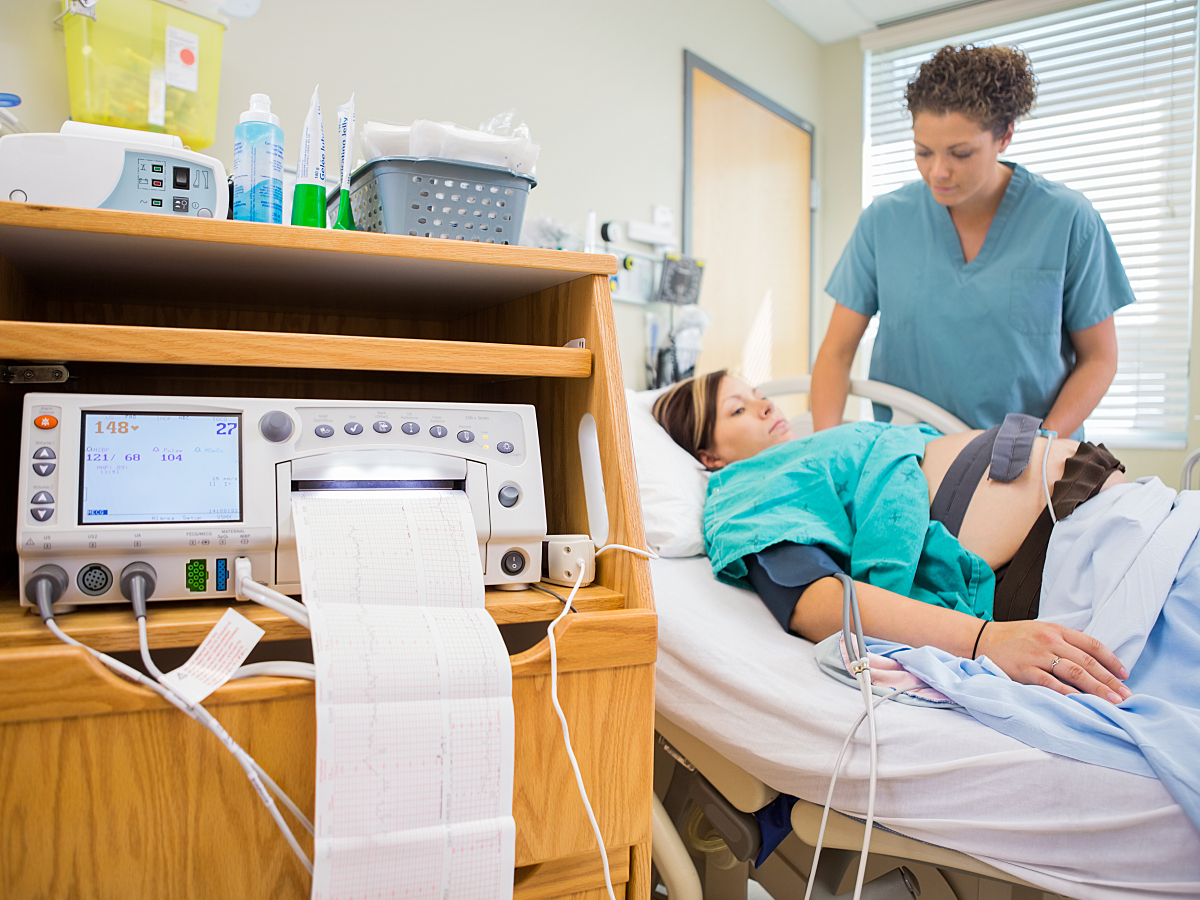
{"x":732,"y":677}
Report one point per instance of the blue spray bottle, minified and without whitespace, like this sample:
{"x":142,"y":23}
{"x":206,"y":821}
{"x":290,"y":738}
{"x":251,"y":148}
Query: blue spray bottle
{"x":258,"y":164}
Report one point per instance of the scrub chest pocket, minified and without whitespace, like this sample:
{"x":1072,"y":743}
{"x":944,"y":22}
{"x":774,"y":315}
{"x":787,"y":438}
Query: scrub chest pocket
{"x":1035,"y":301}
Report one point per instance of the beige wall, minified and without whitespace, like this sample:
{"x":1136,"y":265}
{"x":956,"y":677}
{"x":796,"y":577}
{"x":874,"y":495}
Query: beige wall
{"x":600,"y":84}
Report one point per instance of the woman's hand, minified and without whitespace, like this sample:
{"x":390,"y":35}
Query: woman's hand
{"x":1059,"y":658}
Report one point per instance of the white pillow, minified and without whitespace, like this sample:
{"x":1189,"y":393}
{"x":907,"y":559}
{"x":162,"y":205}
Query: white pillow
{"x":672,"y":483}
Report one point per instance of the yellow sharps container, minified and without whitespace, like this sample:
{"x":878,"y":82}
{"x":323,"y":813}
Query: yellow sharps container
{"x":154,"y":65}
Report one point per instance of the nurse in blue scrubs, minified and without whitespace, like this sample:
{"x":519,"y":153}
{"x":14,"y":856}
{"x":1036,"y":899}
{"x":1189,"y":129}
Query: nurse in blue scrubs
{"x":995,"y":288}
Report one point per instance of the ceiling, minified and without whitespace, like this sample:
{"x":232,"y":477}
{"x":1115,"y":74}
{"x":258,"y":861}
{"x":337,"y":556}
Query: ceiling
{"x":830,"y":21}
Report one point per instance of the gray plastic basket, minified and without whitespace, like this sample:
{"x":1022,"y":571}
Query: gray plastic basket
{"x":437,"y":198}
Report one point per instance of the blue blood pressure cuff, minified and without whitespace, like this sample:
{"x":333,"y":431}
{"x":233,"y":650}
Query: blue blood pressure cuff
{"x":782,"y":572}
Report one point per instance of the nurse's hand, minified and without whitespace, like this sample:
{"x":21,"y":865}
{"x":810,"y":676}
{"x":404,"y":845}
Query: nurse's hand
{"x":1062,"y":659}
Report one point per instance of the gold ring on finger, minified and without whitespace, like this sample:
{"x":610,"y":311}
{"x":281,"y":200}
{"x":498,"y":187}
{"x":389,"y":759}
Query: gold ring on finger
{"x":1057,"y":660}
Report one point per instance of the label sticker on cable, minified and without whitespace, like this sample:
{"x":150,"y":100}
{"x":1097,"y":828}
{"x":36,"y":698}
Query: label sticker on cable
{"x":217,"y":658}
{"x":183,"y":59}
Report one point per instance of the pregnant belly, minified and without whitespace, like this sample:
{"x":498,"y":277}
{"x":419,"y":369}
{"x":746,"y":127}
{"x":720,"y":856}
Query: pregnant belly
{"x":1001,"y":514}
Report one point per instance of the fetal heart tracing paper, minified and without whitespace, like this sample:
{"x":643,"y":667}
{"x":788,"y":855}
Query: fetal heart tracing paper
{"x":414,"y":773}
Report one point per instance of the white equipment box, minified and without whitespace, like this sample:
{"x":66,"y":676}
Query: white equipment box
{"x":100,"y":167}
{"x":188,"y":484}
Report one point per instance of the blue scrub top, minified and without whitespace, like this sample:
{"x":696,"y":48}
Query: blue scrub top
{"x":989,"y":337}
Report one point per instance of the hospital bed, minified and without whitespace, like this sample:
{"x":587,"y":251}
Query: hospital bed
{"x":744,"y":714}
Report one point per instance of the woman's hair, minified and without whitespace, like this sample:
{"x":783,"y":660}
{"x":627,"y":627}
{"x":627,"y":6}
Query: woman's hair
{"x":993,"y":86}
{"x":688,"y":411}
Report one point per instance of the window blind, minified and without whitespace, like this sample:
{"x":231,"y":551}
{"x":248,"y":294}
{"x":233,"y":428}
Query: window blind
{"x":1115,"y":119}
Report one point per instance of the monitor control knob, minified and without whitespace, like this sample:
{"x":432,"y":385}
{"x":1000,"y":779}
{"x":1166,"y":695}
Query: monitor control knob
{"x":509,"y":495}
{"x":275,"y":426}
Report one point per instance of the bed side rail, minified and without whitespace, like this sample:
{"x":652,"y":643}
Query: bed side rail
{"x":908,"y":407}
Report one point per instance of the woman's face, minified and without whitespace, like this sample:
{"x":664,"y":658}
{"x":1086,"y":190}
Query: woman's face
{"x":747,"y":423}
{"x":956,"y":157}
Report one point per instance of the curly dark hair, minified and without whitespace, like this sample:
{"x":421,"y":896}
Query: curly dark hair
{"x":993,"y":86}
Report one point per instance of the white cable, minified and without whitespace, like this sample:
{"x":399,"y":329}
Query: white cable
{"x":566,"y":732}
{"x":272,"y":599}
{"x":282,"y":668}
{"x":247,"y":764}
{"x":206,"y":718}
{"x":1050,"y":436}
{"x":648,"y":554}
{"x":864,"y":681}
{"x":837,"y":766}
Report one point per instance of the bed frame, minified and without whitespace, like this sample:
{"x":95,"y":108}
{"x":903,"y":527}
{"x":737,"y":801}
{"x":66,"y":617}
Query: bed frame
{"x":690,"y":775}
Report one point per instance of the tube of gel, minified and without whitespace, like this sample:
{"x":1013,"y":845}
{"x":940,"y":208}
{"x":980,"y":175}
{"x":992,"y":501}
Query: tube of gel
{"x":308,"y":201}
{"x":345,"y":116}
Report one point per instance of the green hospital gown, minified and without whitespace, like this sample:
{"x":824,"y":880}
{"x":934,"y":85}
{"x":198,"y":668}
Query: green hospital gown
{"x":857,"y":491}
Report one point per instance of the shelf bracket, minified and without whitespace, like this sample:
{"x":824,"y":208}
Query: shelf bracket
{"x":36,"y":374}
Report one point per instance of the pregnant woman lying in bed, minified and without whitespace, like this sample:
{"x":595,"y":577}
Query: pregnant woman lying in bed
{"x":938,"y":532}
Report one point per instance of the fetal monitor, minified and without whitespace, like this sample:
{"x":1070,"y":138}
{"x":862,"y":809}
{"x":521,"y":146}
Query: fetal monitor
{"x":100,"y":167}
{"x":189,"y":484}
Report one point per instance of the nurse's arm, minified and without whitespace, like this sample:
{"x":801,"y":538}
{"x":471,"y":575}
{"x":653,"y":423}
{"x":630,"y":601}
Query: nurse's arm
{"x":831,"y":371}
{"x":1024,"y":650}
{"x":1095,"y":366}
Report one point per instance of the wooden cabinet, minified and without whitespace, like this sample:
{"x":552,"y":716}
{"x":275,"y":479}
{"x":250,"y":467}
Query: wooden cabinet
{"x":108,"y":791}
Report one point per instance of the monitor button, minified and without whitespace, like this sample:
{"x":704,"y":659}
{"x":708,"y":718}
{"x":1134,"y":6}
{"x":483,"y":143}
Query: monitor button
{"x":466,"y":436}
{"x":504,"y":447}
{"x":413,"y":428}
{"x":42,"y":514}
{"x":43,"y":468}
{"x":438,"y":431}
{"x":46,"y":422}
{"x":323,"y":431}
{"x":509,"y":495}
{"x":43,"y":453}
{"x":382,"y":427}
{"x":42,"y":498}
{"x":353,"y":428}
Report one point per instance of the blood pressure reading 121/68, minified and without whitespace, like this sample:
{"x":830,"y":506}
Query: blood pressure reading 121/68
{"x":139,"y":468}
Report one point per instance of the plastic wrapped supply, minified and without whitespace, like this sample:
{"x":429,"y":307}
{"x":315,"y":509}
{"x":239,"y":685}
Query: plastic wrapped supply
{"x":308,"y":202}
{"x":345,"y":115}
{"x":511,"y":149}
{"x":384,"y":139}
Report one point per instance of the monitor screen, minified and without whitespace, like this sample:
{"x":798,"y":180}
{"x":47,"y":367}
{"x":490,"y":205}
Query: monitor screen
{"x":141,"y":468}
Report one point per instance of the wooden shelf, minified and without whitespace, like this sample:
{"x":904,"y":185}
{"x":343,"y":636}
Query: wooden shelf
{"x":202,"y":346}
{"x":163,"y":258}
{"x":186,"y":623}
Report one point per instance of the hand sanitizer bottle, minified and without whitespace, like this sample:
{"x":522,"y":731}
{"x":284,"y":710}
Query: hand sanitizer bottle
{"x":258,"y":164}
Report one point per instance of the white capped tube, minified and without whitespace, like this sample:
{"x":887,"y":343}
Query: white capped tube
{"x":310,"y":167}
{"x":345,"y":118}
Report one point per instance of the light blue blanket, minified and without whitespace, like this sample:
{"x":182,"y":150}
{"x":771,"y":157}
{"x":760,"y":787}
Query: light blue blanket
{"x":1125,"y":568}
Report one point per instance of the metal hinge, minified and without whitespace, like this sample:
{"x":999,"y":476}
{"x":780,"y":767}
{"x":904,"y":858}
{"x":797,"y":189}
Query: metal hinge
{"x":54,"y":374}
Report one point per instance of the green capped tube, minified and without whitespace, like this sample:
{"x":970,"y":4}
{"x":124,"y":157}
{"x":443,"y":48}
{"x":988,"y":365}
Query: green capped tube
{"x":308,"y":200}
{"x":345,"y":114}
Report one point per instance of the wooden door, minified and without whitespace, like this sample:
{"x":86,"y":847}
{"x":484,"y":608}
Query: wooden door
{"x":748,"y":215}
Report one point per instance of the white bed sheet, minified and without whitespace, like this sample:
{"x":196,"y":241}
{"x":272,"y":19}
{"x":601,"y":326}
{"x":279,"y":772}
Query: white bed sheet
{"x":732,"y":677}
